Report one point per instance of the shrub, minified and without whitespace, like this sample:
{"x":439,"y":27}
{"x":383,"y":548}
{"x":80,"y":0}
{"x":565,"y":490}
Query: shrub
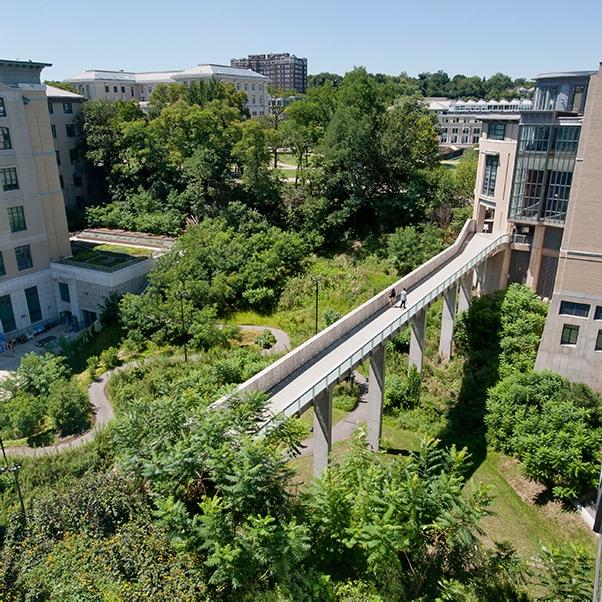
{"x":25,"y":413}
{"x":92,"y":366}
{"x":400,"y":343}
{"x":36,"y":373}
{"x":68,"y":408}
{"x":331,"y":316}
{"x":346,"y":395}
{"x":265,"y":339}
{"x":109,"y":358}
{"x":540,"y":418}
{"x":403,"y":392}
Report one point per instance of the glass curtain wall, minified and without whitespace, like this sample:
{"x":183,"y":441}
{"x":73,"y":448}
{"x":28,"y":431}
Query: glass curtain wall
{"x":544,"y":172}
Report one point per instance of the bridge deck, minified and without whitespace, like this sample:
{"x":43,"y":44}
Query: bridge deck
{"x":314,"y":372}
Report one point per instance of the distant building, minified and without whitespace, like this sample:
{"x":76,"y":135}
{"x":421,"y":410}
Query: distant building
{"x":461,"y":121}
{"x":128,"y":85}
{"x":64,"y":107}
{"x":285,"y":70}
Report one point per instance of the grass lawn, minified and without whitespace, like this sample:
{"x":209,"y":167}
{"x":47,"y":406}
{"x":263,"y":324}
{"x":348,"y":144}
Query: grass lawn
{"x":287,"y":158}
{"x":284,"y":172}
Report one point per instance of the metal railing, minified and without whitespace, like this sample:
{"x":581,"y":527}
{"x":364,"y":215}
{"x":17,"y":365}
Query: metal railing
{"x":355,"y":358}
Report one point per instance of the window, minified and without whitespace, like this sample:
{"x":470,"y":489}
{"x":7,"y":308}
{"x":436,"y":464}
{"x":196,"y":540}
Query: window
{"x":8,"y":179}
{"x":497,"y":131}
{"x":58,"y":157}
{"x":16,"y":219}
{"x":2,"y":108}
{"x":73,"y":155}
{"x":123,"y":89}
{"x":61,"y":181}
{"x":567,"y":139}
{"x":454,"y":130}
{"x":64,"y":292}
{"x":70,"y":128}
{"x":115,"y":89}
{"x":598,"y":313}
{"x":5,"y":143}
{"x":107,"y":89}
{"x":23,"y":256}
{"x":50,"y":107}
{"x":67,"y":107}
{"x":132,"y":91}
{"x":490,"y":174}
{"x":7,"y":316}
{"x":570,"y":332}
{"x":568,"y":308}
{"x":599,"y":341}
{"x":576,"y":99}
{"x":53,"y":130}
{"x":33,"y":304}
{"x":2,"y":268}
{"x":77,"y":180}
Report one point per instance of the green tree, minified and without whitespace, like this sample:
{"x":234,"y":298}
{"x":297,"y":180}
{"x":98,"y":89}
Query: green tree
{"x":68,"y":408}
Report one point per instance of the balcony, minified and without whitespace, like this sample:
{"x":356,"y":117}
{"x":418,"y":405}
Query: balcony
{"x":522,"y":239}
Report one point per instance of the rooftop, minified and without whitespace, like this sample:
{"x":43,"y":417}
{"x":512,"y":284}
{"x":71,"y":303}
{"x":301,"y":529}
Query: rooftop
{"x":564,"y":74}
{"x":53,"y":92}
{"x":17,"y":63}
{"x":210,"y":70}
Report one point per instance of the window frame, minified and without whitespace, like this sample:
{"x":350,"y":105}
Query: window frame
{"x":23,"y":252}
{"x":5,"y":139}
{"x":16,"y":219}
{"x":70,"y":127}
{"x":2,"y":107}
{"x":68,"y":108}
{"x":490,"y":174}
{"x":569,"y":330}
{"x":64,"y":293}
{"x":14,"y":185}
{"x":493,"y":133}
{"x":571,"y":308}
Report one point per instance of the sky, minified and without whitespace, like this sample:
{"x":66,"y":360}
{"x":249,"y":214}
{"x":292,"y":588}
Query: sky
{"x":470,"y":37}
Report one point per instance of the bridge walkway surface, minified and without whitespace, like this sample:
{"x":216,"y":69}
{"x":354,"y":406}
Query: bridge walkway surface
{"x":295,"y":393}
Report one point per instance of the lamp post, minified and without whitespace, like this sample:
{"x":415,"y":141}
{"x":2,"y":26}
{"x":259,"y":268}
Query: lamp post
{"x":317,"y":283}
{"x":14,"y":469}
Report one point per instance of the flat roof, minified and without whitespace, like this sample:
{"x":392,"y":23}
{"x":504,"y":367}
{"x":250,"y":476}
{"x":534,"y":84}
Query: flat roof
{"x":53,"y":92}
{"x":560,"y":74}
{"x":17,"y":63}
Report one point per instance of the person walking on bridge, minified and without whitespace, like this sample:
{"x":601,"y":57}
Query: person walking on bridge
{"x":402,"y":298}
{"x":392,"y":297}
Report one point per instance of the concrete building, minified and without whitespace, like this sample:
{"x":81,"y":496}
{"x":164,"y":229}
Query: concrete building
{"x":539,"y":177}
{"x":572,"y":340}
{"x":285,"y":70}
{"x":461,"y":122}
{"x":128,"y":85}
{"x":64,"y":107}
{"x":33,"y":225}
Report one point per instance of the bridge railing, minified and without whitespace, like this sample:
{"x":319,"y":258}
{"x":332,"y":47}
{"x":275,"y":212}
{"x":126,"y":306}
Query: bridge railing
{"x":354,"y":359}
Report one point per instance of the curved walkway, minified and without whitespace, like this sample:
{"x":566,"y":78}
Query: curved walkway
{"x":97,"y":394}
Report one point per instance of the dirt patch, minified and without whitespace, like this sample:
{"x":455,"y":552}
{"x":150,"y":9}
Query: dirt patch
{"x":528,"y":490}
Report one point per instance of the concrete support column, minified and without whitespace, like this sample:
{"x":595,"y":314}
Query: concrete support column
{"x":376,"y":394}
{"x":535,"y":258}
{"x":465,"y":287}
{"x":481,"y":273}
{"x":74,"y":301}
{"x":448,"y":316}
{"x":322,"y":430}
{"x":418,"y":327}
{"x":505,"y":268}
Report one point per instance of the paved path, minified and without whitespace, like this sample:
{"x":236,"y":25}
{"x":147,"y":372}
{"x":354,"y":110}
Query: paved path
{"x":345,"y":428}
{"x":97,"y":393}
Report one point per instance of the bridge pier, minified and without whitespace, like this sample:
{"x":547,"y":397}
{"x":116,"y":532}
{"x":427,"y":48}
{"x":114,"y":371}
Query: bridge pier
{"x":448,"y":315}
{"x":376,"y":393}
{"x":465,"y":296}
{"x":418,"y":328}
{"x":322,"y":430}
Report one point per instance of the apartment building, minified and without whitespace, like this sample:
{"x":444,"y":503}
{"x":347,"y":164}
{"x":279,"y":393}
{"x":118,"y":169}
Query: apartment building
{"x":461,"y":121}
{"x":64,"y":107}
{"x":138,"y":86}
{"x":285,"y":70}
{"x":40,"y":280}
{"x":539,"y":176}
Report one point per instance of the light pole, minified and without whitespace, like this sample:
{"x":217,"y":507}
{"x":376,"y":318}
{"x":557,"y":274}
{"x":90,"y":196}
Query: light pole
{"x":317,"y":283}
{"x":14,"y":469}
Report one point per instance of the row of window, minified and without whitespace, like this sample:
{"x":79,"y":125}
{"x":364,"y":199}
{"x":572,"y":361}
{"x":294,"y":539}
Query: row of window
{"x":67,"y":107}
{"x":115,"y":90}
{"x":581,"y":310}
{"x":23,"y":257}
{"x":7,"y":315}
{"x":570,"y":334}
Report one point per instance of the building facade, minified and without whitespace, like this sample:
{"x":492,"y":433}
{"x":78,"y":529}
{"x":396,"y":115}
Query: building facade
{"x":284,"y":70}
{"x":461,"y":122}
{"x":34,"y":239}
{"x":64,"y":107}
{"x":127,"y":85}
{"x":539,"y":176}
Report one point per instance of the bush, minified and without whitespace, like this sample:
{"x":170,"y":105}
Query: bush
{"x":346,"y":395}
{"x":403,"y":392}
{"x":68,"y":408}
{"x":92,"y":366}
{"x":331,"y":316}
{"x":543,"y":420}
{"x":25,"y":413}
{"x":109,"y":358}
{"x":265,"y":339}
{"x":36,"y":373}
{"x":400,"y":343}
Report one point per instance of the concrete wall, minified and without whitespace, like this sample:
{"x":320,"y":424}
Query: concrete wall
{"x":275,"y":373}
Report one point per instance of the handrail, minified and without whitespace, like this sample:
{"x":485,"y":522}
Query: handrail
{"x":358,"y":356}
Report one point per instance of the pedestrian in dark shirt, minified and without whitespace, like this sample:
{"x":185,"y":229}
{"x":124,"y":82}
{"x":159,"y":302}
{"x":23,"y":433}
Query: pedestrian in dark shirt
{"x":392,"y":297}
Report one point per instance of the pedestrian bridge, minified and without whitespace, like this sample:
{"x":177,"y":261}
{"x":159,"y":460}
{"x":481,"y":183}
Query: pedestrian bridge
{"x":305,"y":376}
